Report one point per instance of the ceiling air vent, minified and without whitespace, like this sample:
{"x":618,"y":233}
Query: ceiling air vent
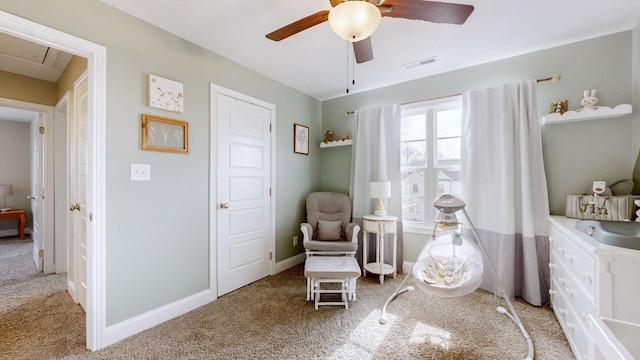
{"x":421,"y":62}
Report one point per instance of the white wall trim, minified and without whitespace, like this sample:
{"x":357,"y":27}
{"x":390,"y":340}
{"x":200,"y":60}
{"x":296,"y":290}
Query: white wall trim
{"x":124,"y":329}
{"x":290,"y":262}
{"x":407,"y":266}
{"x":46,"y":230}
{"x":15,"y":232}
{"x":97,"y":69}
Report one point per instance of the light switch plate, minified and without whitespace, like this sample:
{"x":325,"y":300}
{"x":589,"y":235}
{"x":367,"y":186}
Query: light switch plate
{"x":140,"y":172}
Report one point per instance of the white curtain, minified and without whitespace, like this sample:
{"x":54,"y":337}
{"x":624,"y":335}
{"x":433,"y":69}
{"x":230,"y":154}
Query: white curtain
{"x":504,"y":186}
{"x":376,"y":157}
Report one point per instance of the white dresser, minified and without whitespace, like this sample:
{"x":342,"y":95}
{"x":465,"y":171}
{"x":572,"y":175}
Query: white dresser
{"x":588,"y":277}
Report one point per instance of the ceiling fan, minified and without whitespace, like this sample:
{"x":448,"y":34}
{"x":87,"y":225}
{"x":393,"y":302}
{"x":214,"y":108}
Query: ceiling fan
{"x":432,"y":11}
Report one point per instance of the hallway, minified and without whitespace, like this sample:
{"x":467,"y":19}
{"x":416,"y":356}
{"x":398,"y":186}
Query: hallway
{"x":38,"y":318}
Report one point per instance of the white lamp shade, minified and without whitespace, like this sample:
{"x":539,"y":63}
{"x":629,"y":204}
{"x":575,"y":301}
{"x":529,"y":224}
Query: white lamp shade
{"x":6,"y":190}
{"x":380,"y":189}
{"x":354,"y":20}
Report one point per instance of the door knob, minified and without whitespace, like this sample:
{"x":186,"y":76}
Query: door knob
{"x":224,"y":205}
{"x":74,"y":207}
{"x":31,"y":197}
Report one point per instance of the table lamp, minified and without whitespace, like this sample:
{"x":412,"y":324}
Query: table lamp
{"x":4,"y":191}
{"x":380,"y":189}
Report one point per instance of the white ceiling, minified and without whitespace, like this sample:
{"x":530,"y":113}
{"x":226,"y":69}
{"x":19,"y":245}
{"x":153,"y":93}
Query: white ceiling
{"x":12,"y":114}
{"x":29,"y":59}
{"x":315,"y":61}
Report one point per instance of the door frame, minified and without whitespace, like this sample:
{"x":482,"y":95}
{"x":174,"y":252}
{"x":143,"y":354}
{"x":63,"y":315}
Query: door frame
{"x":213,"y":185}
{"x":96,"y":56}
{"x":46,"y":229}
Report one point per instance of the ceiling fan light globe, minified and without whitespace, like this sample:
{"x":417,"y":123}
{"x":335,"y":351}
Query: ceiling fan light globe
{"x":354,"y":20}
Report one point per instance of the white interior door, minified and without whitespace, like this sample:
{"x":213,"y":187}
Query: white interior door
{"x":70,"y":203}
{"x":243,"y":191}
{"x":60,"y":186}
{"x":37,"y":188}
{"x":78,"y":193}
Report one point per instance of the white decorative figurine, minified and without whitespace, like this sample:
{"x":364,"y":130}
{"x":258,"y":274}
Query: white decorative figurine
{"x":589,"y":101}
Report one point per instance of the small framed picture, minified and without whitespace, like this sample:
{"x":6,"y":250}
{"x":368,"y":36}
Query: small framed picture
{"x":166,"y":94}
{"x":162,"y":134}
{"x":300,"y":139}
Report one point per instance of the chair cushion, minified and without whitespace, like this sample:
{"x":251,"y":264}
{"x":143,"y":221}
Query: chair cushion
{"x":317,"y":245}
{"x":329,"y":230}
{"x":328,"y":206}
{"x":332,"y":267}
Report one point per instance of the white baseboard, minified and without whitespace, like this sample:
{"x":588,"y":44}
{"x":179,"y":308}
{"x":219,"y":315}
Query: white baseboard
{"x":290,"y":262}
{"x":9,"y":232}
{"x":129,"y":327}
{"x":122,"y":330}
{"x":13,"y":232}
{"x":407,"y":266}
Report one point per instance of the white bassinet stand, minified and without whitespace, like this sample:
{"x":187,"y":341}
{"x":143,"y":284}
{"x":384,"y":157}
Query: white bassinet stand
{"x":449,"y":265}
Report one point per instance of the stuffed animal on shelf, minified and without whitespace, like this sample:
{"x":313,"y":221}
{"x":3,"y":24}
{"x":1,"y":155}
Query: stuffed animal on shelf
{"x":589,"y":101}
{"x":328,"y":137}
{"x":559,"y":107}
{"x":347,"y":136}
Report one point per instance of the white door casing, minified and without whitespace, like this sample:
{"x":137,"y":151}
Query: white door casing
{"x":45,"y":116}
{"x":96,"y":329}
{"x":241,"y":181}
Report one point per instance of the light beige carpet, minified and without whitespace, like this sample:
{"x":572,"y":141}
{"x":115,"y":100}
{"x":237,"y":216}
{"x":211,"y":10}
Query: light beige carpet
{"x":271,"y":319}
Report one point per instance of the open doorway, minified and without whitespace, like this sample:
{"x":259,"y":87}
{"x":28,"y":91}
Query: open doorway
{"x":95,"y":198}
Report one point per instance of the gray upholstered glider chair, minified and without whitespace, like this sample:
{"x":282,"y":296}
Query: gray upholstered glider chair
{"x":329,"y":229}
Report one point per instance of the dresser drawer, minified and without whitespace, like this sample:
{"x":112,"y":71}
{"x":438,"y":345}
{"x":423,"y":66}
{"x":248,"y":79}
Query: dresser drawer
{"x":558,"y":303}
{"x":557,"y":241}
{"x":573,"y":329}
{"x":577,"y":335}
{"x":576,"y":298}
{"x":558,"y":272}
{"x":583,"y":267}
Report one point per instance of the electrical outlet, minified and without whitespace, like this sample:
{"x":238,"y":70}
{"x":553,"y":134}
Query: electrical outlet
{"x":295,"y":241}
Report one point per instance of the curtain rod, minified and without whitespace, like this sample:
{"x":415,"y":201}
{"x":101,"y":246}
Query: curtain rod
{"x":553,"y":78}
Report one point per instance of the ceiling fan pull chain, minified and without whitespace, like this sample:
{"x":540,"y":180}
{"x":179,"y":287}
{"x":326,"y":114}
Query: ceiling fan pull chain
{"x":353,"y":70}
{"x":347,"y":67}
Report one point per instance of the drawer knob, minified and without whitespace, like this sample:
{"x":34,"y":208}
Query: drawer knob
{"x":587,"y":276}
{"x":569,"y":293}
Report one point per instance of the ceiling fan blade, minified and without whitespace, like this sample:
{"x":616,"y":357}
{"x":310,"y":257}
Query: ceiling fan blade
{"x":432,"y":11}
{"x":363,"y":50}
{"x":300,"y":25}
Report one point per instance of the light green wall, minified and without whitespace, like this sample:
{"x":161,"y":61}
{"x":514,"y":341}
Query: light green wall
{"x":157,"y":232}
{"x":574,"y":154}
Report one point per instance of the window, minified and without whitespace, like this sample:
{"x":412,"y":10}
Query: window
{"x":430,"y":157}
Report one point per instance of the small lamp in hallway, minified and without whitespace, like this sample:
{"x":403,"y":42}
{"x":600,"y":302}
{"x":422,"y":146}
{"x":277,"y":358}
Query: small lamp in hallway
{"x":4,"y":191}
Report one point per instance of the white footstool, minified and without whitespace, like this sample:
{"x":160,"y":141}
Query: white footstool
{"x":343,"y":270}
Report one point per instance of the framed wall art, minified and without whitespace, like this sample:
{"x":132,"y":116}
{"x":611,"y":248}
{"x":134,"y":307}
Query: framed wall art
{"x":300,"y":139}
{"x":162,"y":134}
{"x":166,"y":94}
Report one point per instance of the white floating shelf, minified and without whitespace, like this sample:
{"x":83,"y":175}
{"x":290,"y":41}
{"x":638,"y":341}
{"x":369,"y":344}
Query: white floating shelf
{"x":336,"y":143}
{"x":587,"y":114}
